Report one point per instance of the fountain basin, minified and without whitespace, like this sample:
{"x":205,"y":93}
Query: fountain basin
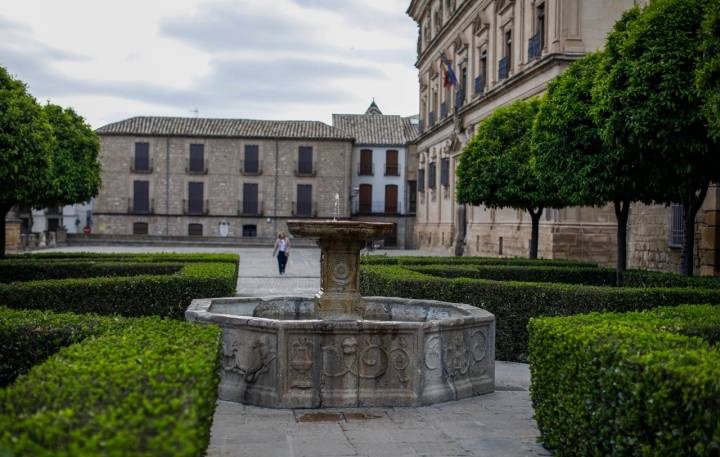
{"x":399,"y":352}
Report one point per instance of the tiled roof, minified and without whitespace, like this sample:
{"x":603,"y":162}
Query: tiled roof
{"x":379,"y":129}
{"x":227,"y":128}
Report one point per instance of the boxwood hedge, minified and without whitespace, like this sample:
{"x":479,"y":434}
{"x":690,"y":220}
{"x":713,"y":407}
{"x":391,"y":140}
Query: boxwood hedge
{"x":13,"y":271}
{"x":567,"y":275}
{"x":145,"y":386}
{"x":514,"y":303}
{"x":427,"y":260}
{"x":640,"y":383}
{"x":141,"y":295}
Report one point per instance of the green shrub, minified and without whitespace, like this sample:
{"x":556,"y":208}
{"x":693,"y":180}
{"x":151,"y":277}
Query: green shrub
{"x":143,"y":295}
{"x":565,"y":274}
{"x":514,"y":303}
{"x":516,"y":261}
{"x":628,"y":384}
{"x":28,"y":337}
{"x":11,"y":271}
{"x":145,"y":388}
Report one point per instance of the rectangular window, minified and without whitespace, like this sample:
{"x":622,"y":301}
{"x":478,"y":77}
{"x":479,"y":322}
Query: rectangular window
{"x":142,"y":157}
{"x":366,"y":162}
{"x":421,"y":180}
{"x":140,"y":228}
{"x":412,"y":197}
{"x":445,"y":172}
{"x":252,"y":159}
{"x":304,"y":200}
{"x":431,"y":175}
{"x":391,"y":199}
{"x":540,"y":23}
{"x":250,"y":199}
{"x":195,"y":229}
{"x":249,"y":231}
{"x":305,"y":160}
{"x":141,"y":197}
{"x":197,"y":158}
{"x":196,"y":197}
{"x":677,"y":226}
{"x":391,"y":163}
{"x":365,"y":199}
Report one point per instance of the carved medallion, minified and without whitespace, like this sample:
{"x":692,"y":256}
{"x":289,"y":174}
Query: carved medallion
{"x":301,"y":364}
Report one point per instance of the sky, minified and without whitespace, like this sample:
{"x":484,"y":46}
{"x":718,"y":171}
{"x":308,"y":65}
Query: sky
{"x":259,"y":59}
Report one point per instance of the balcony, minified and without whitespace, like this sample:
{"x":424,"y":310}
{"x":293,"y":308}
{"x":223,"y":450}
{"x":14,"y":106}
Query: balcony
{"x":459,"y":98}
{"x":250,"y":208}
{"x":377,"y":208}
{"x":251,"y":167}
{"x":443,"y":110}
{"x":196,"y":167}
{"x":304,"y":209}
{"x":365,"y":169}
{"x":147,"y":169}
{"x":431,"y":119}
{"x":480,"y":85}
{"x":504,"y":68}
{"x":421,"y":125}
{"x":392,"y":170}
{"x":306,"y":169}
{"x":535,"y":46}
{"x":195,"y":207}
{"x":141,"y":206}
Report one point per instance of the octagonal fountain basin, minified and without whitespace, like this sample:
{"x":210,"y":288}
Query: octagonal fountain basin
{"x":277,"y":352}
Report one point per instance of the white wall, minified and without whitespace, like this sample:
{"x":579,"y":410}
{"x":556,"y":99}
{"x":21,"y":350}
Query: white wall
{"x":379,"y":180}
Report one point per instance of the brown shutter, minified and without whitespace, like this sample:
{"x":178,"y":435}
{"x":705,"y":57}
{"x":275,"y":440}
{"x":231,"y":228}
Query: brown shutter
{"x":365,"y":199}
{"x":366,"y":156}
{"x":391,"y":163}
{"x":391,"y":199}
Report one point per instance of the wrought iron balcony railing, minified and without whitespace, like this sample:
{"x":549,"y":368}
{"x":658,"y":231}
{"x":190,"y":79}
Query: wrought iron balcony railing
{"x":504,"y":68}
{"x":392,"y":170}
{"x":366,"y":169}
{"x":304,"y":209}
{"x":305,"y":169}
{"x":141,"y":206}
{"x":252,"y":208}
{"x":535,"y":46}
{"x":443,"y":110}
{"x":480,"y":85}
{"x":193,"y":167}
{"x":251,"y":167}
{"x":138,"y":167}
{"x":431,"y":119}
{"x":195,"y":207}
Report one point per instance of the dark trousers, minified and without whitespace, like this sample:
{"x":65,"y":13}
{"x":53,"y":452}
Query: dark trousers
{"x":282,"y":261}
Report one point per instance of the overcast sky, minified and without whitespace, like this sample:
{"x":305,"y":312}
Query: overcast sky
{"x":263,"y":59}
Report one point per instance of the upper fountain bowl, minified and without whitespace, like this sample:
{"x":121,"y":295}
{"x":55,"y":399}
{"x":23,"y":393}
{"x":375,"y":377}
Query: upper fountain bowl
{"x":352,"y":230}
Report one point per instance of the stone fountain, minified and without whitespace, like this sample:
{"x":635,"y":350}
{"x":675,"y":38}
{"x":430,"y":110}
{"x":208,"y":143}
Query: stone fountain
{"x":339,"y":349}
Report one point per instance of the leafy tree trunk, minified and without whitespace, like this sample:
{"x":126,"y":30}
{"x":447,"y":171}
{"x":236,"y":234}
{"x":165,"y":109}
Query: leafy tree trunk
{"x":691,"y":205}
{"x":535,"y":216}
{"x":622,"y":212}
{"x":4,"y":209}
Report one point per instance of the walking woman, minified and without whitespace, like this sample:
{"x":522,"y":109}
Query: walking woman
{"x":282,"y":250}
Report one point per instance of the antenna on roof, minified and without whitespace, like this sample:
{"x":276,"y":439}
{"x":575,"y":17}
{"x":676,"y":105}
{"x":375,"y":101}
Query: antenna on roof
{"x":196,"y":112}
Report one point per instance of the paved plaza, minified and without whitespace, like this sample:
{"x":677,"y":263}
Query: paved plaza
{"x":499,"y":424}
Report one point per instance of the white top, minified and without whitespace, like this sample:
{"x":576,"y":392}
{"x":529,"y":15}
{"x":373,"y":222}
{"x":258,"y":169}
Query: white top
{"x":282,"y":245}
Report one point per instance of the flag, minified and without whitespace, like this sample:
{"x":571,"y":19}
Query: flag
{"x":450,"y":78}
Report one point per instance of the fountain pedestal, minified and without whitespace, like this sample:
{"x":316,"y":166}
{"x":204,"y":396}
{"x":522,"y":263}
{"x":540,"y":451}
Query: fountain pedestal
{"x":340,"y":243}
{"x":339,"y":349}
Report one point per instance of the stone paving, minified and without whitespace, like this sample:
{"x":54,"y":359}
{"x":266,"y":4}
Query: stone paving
{"x":499,"y":424}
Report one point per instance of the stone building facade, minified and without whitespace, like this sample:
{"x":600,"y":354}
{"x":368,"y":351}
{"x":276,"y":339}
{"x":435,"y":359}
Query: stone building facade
{"x":502,"y":51}
{"x":219,"y":178}
{"x":384,"y":180}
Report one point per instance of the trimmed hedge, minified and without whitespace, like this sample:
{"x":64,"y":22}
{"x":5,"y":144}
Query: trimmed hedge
{"x":628,"y":384}
{"x":29,"y":337}
{"x":146,"y":387}
{"x":567,"y":275}
{"x":143,"y":295}
{"x":12,"y":271}
{"x":516,"y":261}
{"x":514,"y":303}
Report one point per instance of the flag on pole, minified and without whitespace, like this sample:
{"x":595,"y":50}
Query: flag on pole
{"x":450,"y":78}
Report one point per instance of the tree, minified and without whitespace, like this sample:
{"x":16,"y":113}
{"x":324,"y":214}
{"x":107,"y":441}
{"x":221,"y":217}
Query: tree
{"x":571,"y":154}
{"x":75,"y":166}
{"x":648,"y":106}
{"x":497,"y":167}
{"x":708,"y":74}
{"x":26,"y":144}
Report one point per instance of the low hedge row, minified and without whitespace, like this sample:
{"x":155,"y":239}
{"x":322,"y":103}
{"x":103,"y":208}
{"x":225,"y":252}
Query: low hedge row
{"x":29,"y":337}
{"x":567,"y":275}
{"x":628,"y":384}
{"x":145,"y":387}
{"x":12,"y":271}
{"x":142,"y":295}
{"x":516,"y":261}
{"x":514,"y":303}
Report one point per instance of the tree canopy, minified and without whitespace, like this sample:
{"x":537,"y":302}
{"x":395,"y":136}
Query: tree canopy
{"x":708,"y":75}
